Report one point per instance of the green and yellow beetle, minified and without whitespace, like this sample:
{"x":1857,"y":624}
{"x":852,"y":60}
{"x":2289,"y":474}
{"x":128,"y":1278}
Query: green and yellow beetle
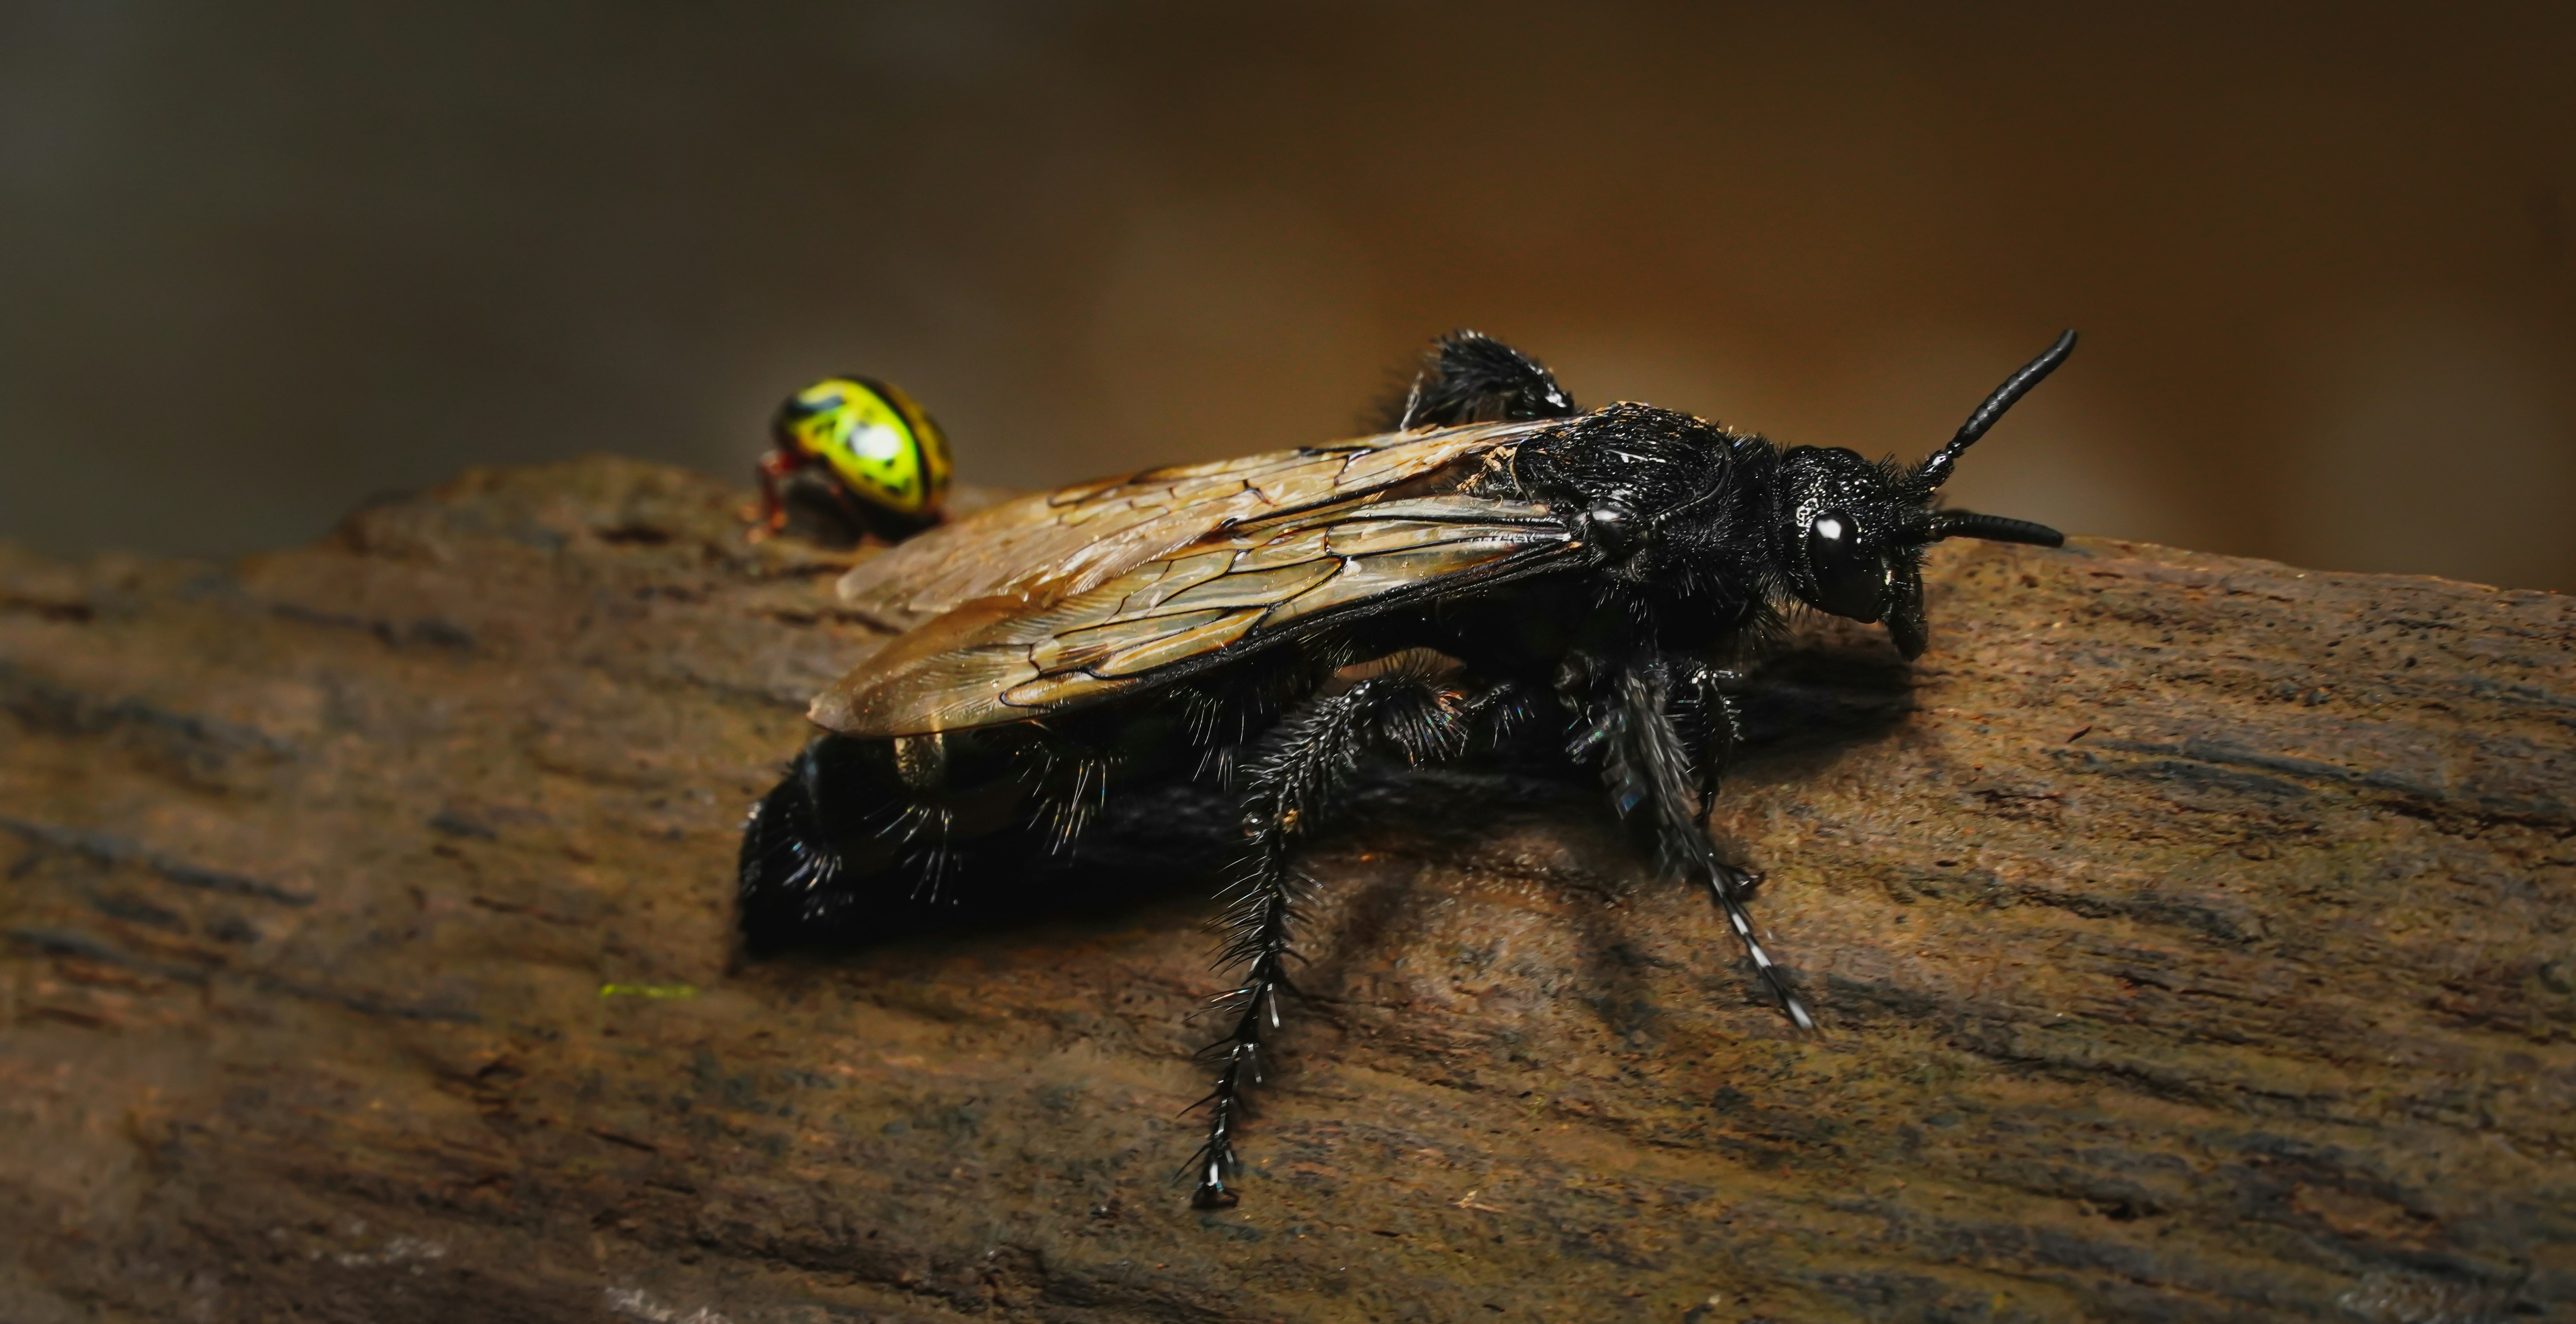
{"x":880,"y":461}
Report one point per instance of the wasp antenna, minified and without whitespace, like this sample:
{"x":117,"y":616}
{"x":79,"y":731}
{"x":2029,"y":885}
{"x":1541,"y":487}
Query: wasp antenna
{"x":1992,"y":528}
{"x":1936,"y":470}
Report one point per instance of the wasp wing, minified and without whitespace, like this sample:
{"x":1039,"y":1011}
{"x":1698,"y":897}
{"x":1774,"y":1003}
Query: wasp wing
{"x":1053,"y":545}
{"x":1000,"y":658}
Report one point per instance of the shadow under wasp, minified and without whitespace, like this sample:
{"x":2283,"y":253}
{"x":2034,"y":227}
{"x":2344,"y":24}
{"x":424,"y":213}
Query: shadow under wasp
{"x":1498,"y":557}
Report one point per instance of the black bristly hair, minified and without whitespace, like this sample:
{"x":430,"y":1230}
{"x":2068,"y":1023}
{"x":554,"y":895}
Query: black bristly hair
{"x":1470,"y":377}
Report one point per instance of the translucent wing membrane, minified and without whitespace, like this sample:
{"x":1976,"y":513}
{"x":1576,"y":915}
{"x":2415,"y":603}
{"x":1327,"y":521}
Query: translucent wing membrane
{"x":1052,"y":546}
{"x":1003,"y":657}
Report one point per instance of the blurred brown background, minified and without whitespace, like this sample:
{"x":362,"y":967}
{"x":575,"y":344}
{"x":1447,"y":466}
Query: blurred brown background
{"x":258,"y":262}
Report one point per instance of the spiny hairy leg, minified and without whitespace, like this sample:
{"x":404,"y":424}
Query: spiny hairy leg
{"x":1290,"y":783}
{"x":1646,"y":714}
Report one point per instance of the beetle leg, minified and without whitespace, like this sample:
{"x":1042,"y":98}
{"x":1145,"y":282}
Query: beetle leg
{"x":1647,"y":764}
{"x":1291,"y":783}
{"x":771,"y":515}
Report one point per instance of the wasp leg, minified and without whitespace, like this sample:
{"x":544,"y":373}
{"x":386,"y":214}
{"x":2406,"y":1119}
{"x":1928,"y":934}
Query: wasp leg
{"x":1290,"y":783}
{"x":1641,"y":731}
{"x":1708,"y":720}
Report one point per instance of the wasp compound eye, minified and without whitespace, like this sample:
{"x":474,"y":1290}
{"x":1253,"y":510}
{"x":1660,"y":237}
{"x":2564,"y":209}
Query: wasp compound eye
{"x":1850,"y":581}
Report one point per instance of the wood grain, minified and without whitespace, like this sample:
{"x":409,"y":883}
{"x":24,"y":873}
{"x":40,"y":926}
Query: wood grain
{"x":2192,"y":937}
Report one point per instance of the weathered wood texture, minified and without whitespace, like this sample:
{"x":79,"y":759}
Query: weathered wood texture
{"x":2193,"y":939}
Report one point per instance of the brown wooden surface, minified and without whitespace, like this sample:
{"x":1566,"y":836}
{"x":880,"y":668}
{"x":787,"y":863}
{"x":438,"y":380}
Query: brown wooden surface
{"x":2193,"y":938}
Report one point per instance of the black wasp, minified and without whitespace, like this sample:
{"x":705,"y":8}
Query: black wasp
{"x":1499,"y":556}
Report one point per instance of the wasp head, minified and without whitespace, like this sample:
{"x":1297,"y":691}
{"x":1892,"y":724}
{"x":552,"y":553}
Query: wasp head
{"x":1854,"y":531}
